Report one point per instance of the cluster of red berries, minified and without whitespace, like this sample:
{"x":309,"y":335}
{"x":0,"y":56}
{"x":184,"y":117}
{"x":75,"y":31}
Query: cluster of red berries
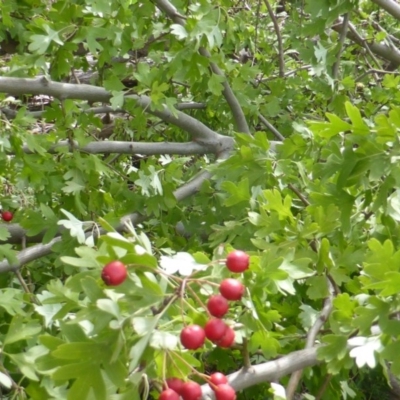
{"x":7,"y":216}
{"x":193,"y":336}
{"x":174,"y":387}
{"x":216,"y":330}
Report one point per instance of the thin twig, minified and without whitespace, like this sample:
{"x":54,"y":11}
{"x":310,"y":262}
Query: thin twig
{"x":343,"y":34}
{"x":245,"y":353}
{"x":299,"y":194}
{"x":279,"y":37}
{"x":311,"y":336}
{"x":22,"y":280}
{"x":375,"y":71}
{"x":288,"y":73}
{"x":275,"y":131}
{"x":364,"y":43}
{"x":322,"y":389}
{"x":256,"y":31}
{"x":166,"y":303}
{"x":233,"y":103}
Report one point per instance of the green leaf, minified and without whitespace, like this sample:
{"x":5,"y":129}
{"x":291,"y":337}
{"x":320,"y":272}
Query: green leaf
{"x":179,"y":31}
{"x":276,"y":203}
{"x":359,"y":126}
{"x":72,"y":371}
{"x":268,"y":344}
{"x":137,"y":350}
{"x":215,"y":84}
{"x":238,"y":193}
{"x":317,"y":287}
{"x":4,"y":233}
{"x":109,"y":307}
{"x":116,"y":372}
{"x":79,"y":351}
{"x":19,"y":330}
{"x":40,"y":43}
{"x":335,"y":347}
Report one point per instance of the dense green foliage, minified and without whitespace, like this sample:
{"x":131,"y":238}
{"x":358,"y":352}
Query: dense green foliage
{"x":318,"y":212}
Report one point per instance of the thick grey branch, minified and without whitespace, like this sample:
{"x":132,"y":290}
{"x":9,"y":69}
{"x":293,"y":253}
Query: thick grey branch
{"x":171,"y":11}
{"x":27,"y":255}
{"x":390,"y":6}
{"x":118,"y":147}
{"x":270,"y":371}
{"x":381,"y":50}
{"x":40,"y":250}
{"x":103,"y":110}
{"x":194,"y":127}
{"x":17,"y":233}
{"x":21,"y":86}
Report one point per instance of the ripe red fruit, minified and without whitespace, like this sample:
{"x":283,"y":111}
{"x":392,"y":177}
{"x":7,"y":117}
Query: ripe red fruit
{"x":237,"y":261}
{"x":228,"y":339}
{"x":169,"y":394}
{"x":217,"y":379}
{"x":7,"y":216}
{"x":175,"y":384}
{"x":225,"y":392}
{"x":231,"y":289}
{"x":114,"y":273}
{"x":217,"y":306}
{"x":191,"y":391}
{"x":215,"y":329}
{"x":193,"y":337}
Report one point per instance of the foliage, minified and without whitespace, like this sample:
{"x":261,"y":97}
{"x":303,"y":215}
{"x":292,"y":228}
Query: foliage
{"x":318,"y":212}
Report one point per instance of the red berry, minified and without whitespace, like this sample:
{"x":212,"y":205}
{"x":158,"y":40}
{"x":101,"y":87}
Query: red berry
{"x":7,"y":216}
{"x":114,"y":273}
{"x":217,"y":379}
{"x":191,"y":391}
{"x":217,"y":306}
{"x":228,"y":339}
{"x":237,"y":261}
{"x":175,"y":384}
{"x":169,"y":394}
{"x":215,"y":329}
{"x":225,"y":392}
{"x":193,"y":337}
{"x":231,"y":289}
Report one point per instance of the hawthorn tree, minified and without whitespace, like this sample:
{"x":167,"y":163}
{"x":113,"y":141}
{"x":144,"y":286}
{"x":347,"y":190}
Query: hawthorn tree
{"x":159,"y":137}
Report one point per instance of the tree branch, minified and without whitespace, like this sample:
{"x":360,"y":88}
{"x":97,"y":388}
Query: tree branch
{"x":62,"y":91}
{"x":41,"y":250}
{"x":119,"y":147}
{"x":275,"y":131}
{"x":269,"y":371}
{"x":11,"y":114}
{"x":390,"y":6}
{"x":381,"y":50}
{"x":343,"y":34}
{"x":27,"y":255}
{"x":279,"y":37}
{"x":237,"y":112}
{"x":311,"y":336}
